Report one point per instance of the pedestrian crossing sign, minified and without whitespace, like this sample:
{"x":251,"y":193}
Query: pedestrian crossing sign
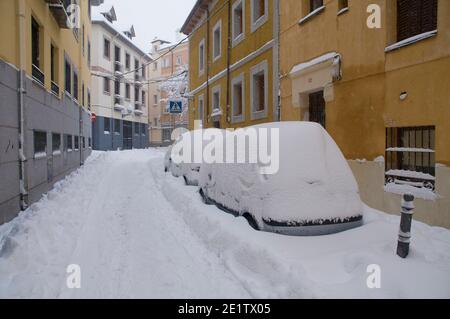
{"x":175,"y":107}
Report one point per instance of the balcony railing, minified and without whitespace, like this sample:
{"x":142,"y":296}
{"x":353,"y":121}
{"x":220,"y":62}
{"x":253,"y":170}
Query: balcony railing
{"x":58,"y":9}
{"x":38,"y":75}
{"x":55,"y":88}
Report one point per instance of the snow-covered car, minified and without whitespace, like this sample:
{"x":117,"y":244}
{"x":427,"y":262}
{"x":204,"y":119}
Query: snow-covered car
{"x":313,"y":192}
{"x":189,"y":170}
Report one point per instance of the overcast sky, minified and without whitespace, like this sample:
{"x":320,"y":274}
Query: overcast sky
{"x":151,"y":18}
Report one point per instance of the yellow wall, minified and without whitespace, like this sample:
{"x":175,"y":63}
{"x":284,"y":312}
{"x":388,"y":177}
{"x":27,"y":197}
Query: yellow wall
{"x":251,"y":43}
{"x":366,"y":99}
{"x":63,"y":39}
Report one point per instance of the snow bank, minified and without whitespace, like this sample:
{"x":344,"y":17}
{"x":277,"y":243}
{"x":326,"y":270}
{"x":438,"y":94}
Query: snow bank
{"x":313,"y":186}
{"x":334,"y":266}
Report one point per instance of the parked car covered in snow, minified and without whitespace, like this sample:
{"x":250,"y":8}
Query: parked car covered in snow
{"x":313,"y":192}
{"x":192,"y":141}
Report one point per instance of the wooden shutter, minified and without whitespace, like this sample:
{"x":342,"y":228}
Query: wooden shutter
{"x":415,"y":17}
{"x":429,"y":15}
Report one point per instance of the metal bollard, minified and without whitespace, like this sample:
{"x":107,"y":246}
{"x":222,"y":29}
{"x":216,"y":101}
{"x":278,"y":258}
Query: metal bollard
{"x":404,"y":236}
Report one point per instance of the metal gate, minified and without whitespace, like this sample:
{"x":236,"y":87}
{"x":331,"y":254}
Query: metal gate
{"x":317,"y":108}
{"x":127,"y":135}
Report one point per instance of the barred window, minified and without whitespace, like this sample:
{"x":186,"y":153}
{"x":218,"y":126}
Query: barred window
{"x":410,"y":156}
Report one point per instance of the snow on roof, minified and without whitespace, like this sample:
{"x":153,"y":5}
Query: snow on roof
{"x":99,"y":18}
{"x":309,"y":64}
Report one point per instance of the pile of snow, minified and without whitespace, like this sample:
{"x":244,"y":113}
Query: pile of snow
{"x":314,"y":185}
{"x":333,"y":266}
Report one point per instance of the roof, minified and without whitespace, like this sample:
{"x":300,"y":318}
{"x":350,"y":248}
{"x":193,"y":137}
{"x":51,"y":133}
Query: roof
{"x":195,"y":15}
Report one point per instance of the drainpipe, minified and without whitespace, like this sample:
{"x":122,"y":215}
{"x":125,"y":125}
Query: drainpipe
{"x":227,"y":112}
{"x":207,"y":64}
{"x":22,"y":124}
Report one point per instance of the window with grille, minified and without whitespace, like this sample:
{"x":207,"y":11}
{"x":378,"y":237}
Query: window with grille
{"x":40,"y":142}
{"x":56,"y":142}
{"x":68,"y":142}
{"x":317,"y":108}
{"x":415,"y":17}
{"x":77,"y":143}
{"x":410,"y":156}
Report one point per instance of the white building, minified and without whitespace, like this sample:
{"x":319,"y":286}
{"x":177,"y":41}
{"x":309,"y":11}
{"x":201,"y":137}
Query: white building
{"x":119,"y":86}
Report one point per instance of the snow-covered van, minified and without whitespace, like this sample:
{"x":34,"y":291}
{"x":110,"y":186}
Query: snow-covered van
{"x":313,"y":192}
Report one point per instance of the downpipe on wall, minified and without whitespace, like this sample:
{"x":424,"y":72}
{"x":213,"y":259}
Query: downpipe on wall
{"x":22,"y":122}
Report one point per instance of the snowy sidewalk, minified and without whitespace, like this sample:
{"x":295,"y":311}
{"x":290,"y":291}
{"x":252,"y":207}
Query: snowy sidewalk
{"x":137,"y":232}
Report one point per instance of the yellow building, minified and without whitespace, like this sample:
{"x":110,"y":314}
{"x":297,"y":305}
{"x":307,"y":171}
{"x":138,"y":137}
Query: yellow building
{"x":233,"y":62}
{"x":376,"y":74}
{"x":45,"y":126}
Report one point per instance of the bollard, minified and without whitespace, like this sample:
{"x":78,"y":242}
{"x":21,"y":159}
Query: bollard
{"x":404,"y":236}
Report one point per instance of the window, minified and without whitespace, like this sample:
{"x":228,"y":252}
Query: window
{"x":35,"y":43}
{"x":77,"y":142}
{"x":343,"y":4}
{"x":144,"y":97}
{"x":143,"y":71}
{"x":238,"y":21}
{"x":166,"y":63}
{"x":116,"y":126}
{"x":216,"y":98}
{"x":201,"y":108}
{"x":117,"y":87}
{"x":136,"y":94}
{"x":143,"y":129}
{"x":315,"y":4}
{"x":82,"y":94}
{"x":259,"y":90}
{"x":56,"y":142}
{"x":127,"y":61}
{"x":106,"y":86}
{"x":83,"y":139}
{"x":155,"y":99}
{"x":116,"y":54}
{"x":410,"y":156}
{"x":75,"y":85}
{"x":179,"y":60}
{"x":217,"y":40}
{"x":167,"y":134}
{"x":238,"y":99}
{"x":155,"y":122}
{"x":54,"y":69}
{"x":68,"y":76}
{"x":90,"y":142}
{"x":82,"y":40}
{"x":155,"y":66}
{"x":107,"y":125}
{"x":107,"y":49}
{"x":68,"y":144}
{"x":317,"y":108}
{"x":201,"y":57}
{"x":40,"y":143}
{"x":259,"y":13}
{"x":89,"y":52}
{"x":89,"y":99}
{"x":415,"y":17}
{"x":136,"y":64}
{"x":127,"y":91}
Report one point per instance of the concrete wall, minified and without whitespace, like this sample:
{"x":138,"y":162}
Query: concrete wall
{"x":370,"y":177}
{"x":43,"y":112}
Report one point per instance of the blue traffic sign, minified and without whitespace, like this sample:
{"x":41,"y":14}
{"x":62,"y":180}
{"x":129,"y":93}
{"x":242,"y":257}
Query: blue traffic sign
{"x":175,"y":107}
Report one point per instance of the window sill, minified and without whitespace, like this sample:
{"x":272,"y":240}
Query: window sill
{"x":259,"y":23}
{"x":342,"y":11}
{"x":311,"y":15}
{"x":238,"y":39}
{"x":411,"y":40}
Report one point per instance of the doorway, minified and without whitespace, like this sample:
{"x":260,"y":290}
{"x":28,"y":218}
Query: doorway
{"x":317,"y":108}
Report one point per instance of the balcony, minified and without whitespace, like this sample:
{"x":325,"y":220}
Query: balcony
{"x":138,"y":112}
{"x":119,"y":108}
{"x":38,"y":75}
{"x":58,"y":9}
{"x":118,"y":69}
{"x":55,"y":88}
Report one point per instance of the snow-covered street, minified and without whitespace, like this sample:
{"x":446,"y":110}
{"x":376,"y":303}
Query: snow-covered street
{"x":137,"y":232}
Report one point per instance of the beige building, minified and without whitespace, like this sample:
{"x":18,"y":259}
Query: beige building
{"x":168,"y":81}
{"x":382,"y":92}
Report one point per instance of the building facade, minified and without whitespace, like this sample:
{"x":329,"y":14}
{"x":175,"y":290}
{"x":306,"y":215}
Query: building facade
{"x":119,"y":86}
{"x":169,"y":76}
{"x":233,"y":60}
{"x":45,"y":85}
{"x":376,"y":75}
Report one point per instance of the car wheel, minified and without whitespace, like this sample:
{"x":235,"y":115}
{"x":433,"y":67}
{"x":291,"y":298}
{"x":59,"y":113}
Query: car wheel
{"x":251,"y":221}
